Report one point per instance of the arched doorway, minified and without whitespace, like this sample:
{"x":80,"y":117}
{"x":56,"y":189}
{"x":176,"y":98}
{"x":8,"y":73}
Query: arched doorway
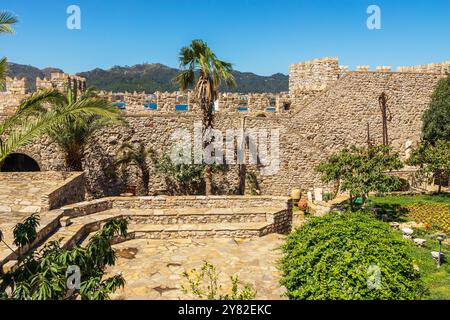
{"x":19,"y":162}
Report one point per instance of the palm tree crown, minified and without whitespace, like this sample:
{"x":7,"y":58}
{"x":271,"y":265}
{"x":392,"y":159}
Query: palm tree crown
{"x":139,"y":155}
{"x":42,"y":112}
{"x":199,"y":58}
{"x":73,"y":135}
{"x":7,"y":19}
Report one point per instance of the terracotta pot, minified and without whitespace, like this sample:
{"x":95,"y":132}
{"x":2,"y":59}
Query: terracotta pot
{"x":303,"y":205}
{"x":130,"y":189}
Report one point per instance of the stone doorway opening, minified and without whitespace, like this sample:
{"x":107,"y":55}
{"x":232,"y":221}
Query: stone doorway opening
{"x":19,"y":162}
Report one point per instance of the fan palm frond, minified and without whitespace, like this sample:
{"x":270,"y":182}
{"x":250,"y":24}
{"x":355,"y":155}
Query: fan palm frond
{"x":7,"y":19}
{"x":31,"y":106}
{"x":22,"y":132}
{"x":3,"y":72}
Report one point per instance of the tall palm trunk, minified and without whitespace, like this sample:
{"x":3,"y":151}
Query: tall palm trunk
{"x":74,"y":160}
{"x":145,"y":180}
{"x":208,"y":119}
{"x":206,"y":94}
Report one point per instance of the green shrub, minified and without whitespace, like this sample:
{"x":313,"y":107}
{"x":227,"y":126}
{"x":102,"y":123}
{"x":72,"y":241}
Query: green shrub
{"x":331,"y":257}
{"x":181,"y":178}
{"x":204,"y":285}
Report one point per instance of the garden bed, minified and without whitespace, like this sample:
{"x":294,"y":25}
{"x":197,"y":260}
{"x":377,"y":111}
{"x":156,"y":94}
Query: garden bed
{"x":431,"y":210}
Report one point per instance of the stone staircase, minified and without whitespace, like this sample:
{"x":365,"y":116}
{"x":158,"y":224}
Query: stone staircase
{"x":170,"y":223}
{"x":152,"y":218}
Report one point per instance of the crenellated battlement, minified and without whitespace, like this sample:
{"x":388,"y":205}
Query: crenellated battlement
{"x":308,"y":77}
{"x":168,"y":102}
{"x":61,"y":81}
{"x":17,"y":89}
{"x":16,"y":86}
{"x":440,"y":68}
{"x":307,"y":80}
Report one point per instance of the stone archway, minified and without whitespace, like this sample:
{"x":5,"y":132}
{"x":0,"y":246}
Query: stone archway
{"x":19,"y":162}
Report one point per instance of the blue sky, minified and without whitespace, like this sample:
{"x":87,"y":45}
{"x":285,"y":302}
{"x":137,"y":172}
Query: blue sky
{"x":260,"y":36}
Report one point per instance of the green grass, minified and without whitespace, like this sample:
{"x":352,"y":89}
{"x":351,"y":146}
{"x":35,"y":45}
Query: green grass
{"x":432,"y":210}
{"x":437,"y":280}
{"x":442,"y":198}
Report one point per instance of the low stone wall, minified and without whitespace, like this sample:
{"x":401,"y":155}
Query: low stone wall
{"x":87,"y":207}
{"x":199,"y":202}
{"x":35,"y":176}
{"x":71,"y":190}
{"x":32,"y":192}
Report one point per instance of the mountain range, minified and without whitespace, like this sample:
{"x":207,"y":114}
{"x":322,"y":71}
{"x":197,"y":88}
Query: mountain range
{"x":150,"y":78}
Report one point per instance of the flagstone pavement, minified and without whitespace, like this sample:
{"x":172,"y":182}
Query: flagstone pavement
{"x":153,"y":269}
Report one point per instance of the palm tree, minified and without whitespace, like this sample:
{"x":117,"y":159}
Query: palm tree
{"x":6,"y":21}
{"x":33,"y":118}
{"x":73,"y":135}
{"x":139,"y":156}
{"x":202,"y":70}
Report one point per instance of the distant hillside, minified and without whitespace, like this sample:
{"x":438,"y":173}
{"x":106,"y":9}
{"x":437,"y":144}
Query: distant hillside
{"x":142,"y":77}
{"x":151,"y":78}
{"x":157,"y":77}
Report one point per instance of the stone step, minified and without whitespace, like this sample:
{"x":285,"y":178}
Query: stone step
{"x":210,"y":230}
{"x":168,"y":223}
{"x":73,"y":234}
{"x":49,"y":224}
{"x":81,"y":234}
{"x":180,"y":215}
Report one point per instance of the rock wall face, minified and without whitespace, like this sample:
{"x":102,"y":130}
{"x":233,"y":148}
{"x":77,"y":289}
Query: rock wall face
{"x":314,"y":74}
{"x":337,"y":111}
{"x":337,"y":117}
{"x":340,"y":115}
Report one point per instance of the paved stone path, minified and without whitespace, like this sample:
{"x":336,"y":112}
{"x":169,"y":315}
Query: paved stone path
{"x":154,"y":269}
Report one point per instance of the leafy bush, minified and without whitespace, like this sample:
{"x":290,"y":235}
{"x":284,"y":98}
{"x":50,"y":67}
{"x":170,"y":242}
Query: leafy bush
{"x":433,"y":158}
{"x":332,"y":257}
{"x":43,"y":274}
{"x":204,"y":285}
{"x":181,"y":178}
{"x":361,"y":170}
{"x":253,"y":183}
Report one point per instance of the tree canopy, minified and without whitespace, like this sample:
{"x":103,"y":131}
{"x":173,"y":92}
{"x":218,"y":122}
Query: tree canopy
{"x":361,"y":170}
{"x":436,"y":120}
{"x":433,"y":158}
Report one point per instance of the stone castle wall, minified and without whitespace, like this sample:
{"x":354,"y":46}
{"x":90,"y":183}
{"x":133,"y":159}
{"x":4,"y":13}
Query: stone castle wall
{"x":14,"y":93}
{"x":167,"y":102}
{"x":335,"y":112}
{"x":314,"y":75}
